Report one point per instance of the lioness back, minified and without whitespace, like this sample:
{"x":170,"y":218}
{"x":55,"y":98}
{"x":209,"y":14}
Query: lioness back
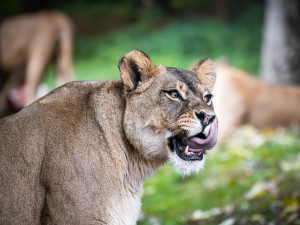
{"x":81,"y":154}
{"x":244,"y":99}
{"x":28,"y":44}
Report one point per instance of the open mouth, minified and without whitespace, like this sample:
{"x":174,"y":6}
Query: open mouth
{"x":193,"y":148}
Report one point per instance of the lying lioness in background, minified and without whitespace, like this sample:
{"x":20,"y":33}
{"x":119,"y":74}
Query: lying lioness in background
{"x":81,"y":154}
{"x":243,"y":99}
{"x":32,"y":40}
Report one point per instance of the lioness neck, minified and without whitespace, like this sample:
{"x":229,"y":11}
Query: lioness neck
{"x":111,"y":117}
{"x":142,"y":168}
{"x":130,"y":167}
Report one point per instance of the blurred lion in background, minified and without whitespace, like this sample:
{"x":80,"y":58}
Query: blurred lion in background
{"x":28,"y":43}
{"x":243,"y":99}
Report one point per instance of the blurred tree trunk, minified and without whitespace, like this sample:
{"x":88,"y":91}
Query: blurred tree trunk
{"x":281,"y":42}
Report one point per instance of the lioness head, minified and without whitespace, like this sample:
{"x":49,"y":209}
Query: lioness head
{"x":169,"y":112}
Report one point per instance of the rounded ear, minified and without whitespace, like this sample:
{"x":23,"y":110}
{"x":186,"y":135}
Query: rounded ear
{"x":136,"y":67}
{"x":206,"y":73}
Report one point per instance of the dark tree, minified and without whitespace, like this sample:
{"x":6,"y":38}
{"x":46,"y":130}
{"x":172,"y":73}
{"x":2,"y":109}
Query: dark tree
{"x":281,"y":42}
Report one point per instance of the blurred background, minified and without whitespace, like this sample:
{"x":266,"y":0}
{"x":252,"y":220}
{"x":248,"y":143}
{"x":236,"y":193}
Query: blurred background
{"x":253,"y":175}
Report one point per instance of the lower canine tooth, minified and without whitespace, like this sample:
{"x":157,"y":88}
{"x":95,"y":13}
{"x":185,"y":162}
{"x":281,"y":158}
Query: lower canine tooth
{"x":186,"y":150}
{"x":199,"y":153}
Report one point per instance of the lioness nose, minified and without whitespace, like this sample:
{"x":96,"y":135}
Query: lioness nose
{"x":205,"y":118}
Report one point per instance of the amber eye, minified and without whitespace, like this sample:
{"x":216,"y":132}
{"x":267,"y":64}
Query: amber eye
{"x":173,"y":94}
{"x":207,"y":98}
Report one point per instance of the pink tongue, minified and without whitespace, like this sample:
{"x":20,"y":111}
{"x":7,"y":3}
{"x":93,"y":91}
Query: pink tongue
{"x":197,"y":144}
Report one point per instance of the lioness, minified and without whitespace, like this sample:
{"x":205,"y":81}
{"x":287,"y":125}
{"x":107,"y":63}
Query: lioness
{"x":81,"y":154}
{"x":244,"y":99}
{"x":32,"y":40}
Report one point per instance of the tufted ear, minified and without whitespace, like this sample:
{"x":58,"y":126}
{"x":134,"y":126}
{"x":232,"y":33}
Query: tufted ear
{"x":136,"y":67}
{"x":206,"y":73}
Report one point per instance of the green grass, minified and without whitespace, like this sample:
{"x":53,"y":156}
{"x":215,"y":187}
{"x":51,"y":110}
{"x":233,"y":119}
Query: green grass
{"x":230,"y":173}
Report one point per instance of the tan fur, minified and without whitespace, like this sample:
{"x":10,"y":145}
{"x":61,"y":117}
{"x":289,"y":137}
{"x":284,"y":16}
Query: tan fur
{"x":206,"y":69}
{"x":243,"y":99}
{"x":33,"y":39}
{"x":81,"y":154}
{"x":139,"y":62}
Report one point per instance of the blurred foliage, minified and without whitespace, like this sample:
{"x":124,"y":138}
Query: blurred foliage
{"x":10,"y":7}
{"x":78,"y":7}
{"x":171,"y":42}
{"x":252,"y":178}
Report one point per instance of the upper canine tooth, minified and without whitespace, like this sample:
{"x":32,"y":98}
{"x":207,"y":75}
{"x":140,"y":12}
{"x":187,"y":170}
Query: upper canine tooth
{"x":186,"y":150}
{"x":199,"y":153}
